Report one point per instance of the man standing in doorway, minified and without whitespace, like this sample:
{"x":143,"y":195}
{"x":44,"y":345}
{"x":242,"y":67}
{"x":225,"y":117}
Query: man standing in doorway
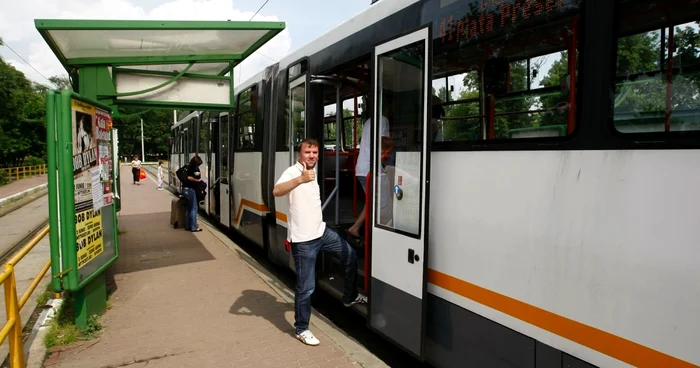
{"x":308,"y":235}
{"x":362,"y":167}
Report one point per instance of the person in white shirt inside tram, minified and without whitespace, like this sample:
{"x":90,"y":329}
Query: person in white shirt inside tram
{"x":308,"y":234}
{"x":362,"y":168}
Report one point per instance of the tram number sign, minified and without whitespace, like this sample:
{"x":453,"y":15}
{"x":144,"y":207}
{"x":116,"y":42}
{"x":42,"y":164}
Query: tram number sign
{"x":495,"y":13}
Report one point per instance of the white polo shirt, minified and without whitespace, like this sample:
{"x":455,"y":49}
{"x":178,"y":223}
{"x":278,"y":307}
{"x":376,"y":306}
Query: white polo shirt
{"x":305,"y":218}
{"x":362,"y":166}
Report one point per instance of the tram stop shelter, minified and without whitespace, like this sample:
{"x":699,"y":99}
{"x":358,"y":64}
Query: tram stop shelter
{"x":186,"y":65}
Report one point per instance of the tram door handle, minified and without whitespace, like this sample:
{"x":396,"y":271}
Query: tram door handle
{"x":412,"y":256}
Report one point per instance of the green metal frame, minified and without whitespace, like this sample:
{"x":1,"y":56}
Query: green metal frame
{"x":67,"y":190}
{"x":45,"y":26}
{"x":51,"y":157}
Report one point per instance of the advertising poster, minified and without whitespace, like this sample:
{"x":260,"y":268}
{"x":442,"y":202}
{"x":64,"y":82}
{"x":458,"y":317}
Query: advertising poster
{"x":88,"y":235}
{"x":104,"y":126}
{"x":89,"y":179}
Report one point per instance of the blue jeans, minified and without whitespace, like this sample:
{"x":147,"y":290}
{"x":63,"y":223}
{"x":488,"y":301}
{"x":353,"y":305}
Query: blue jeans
{"x":192,"y":208}
{"x":304,"y":254}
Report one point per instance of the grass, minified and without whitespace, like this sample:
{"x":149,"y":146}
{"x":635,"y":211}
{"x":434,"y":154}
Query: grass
{"x":63,"y":330}
{"x":44,"y":297}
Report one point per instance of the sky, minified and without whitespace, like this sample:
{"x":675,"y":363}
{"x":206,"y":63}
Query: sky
{"x":302,"y":26}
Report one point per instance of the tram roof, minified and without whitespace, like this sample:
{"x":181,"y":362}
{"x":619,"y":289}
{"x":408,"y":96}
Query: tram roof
{"x":215,"y":47}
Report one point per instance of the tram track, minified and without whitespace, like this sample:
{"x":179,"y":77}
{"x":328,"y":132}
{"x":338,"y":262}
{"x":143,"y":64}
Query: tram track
{"x":7,"y":253}
{"x":24,"y":201}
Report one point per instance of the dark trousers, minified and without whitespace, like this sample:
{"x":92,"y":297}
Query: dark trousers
{"x":305,"y":254}
{"x":192,"y":209}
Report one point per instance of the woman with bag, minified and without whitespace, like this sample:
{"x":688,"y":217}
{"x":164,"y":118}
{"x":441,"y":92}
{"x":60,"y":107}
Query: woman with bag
{"x":136,"y":169}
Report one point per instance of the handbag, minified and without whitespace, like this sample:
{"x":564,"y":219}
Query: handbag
{"x":142,"y":174}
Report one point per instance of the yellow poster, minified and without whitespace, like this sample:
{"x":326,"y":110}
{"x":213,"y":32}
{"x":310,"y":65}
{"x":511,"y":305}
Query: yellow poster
{"x":88,"y":235}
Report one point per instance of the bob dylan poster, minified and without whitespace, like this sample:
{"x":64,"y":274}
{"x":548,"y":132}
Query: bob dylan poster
{"x":88,"y":219}
{"x":103,"y":123}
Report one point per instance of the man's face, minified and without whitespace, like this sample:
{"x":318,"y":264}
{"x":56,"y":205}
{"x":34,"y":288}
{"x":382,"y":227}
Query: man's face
{"x":308,"y":155}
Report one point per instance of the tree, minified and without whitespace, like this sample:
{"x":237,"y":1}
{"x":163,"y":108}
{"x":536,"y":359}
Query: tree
{"x":61,"y":82}
{"x":156,"y":131}
{"x":22,"y":118}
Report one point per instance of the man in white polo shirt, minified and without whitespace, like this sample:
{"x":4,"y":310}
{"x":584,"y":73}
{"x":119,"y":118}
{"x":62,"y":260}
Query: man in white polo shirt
{"x":308,"y":235}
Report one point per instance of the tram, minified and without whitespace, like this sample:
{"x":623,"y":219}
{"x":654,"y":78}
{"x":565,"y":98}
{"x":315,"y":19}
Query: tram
{"x":542,"y":189}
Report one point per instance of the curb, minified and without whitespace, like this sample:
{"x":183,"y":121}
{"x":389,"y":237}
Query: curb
{"x":34,"y":348}
{"x":22,"y":193}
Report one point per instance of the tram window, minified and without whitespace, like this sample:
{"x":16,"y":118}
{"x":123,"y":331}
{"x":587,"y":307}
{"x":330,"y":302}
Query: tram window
{"x":502,"y":71}
{"x":223,"y":141}
{"x":203,"y":137}
{"x":296,"y":106}
{"x":657,"y":88}
{"x":245,"y":118}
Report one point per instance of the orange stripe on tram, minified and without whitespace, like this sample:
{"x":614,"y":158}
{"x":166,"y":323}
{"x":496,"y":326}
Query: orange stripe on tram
{"x":591,"y":337}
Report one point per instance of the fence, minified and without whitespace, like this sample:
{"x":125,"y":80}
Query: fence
{"x":13,"y":326}
{"x":22,"y":172}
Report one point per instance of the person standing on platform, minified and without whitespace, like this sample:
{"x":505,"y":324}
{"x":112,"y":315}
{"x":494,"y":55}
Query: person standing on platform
{"x":160,"y":175}
{"x":308,"y":234}
{"x":136,"y":169}
{"x":189,"y":187}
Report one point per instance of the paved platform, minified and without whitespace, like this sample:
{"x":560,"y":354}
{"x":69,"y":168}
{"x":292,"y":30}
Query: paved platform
{"x":187,"y":299}
{"x":18,"y":186}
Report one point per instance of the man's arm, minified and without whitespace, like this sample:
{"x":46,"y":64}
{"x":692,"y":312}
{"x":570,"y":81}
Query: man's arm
{"x":282,"y":189}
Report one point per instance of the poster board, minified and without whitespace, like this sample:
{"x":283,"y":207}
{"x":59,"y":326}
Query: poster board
{"x":86,"y":181}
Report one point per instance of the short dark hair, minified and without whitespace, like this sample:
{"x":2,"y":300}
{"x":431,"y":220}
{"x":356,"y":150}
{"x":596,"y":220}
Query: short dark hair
{"x":196,"y":161}
{"x":308,"y":141}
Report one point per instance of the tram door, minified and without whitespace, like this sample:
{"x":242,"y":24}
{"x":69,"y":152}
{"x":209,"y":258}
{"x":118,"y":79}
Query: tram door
{"x":224,"y":196}
{"x":400,"y":189}
{"x":214,"y":172}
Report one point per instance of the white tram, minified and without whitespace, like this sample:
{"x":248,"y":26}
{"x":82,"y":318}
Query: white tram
{"x":543,"y":181}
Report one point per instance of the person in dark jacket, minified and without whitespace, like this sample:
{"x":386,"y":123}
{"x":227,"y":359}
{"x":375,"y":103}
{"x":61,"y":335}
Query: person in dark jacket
{"x":189,"y":189}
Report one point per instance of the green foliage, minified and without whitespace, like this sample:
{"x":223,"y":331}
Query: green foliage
{"x":64,"y":331}
{"x":22,"y":117}
{"x":156,"y":132}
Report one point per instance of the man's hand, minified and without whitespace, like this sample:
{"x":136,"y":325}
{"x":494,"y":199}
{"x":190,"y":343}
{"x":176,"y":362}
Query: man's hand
{"x":307,"y":175}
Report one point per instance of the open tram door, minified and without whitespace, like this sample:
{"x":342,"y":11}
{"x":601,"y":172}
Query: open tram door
{"x":224,"y":176}
{"x":399,"y":181}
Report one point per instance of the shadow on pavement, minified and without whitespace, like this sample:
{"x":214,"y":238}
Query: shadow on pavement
{"x":263,"y":304}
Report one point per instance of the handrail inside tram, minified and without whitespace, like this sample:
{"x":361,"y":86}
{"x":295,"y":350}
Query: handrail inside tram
{"x":332,"y":81}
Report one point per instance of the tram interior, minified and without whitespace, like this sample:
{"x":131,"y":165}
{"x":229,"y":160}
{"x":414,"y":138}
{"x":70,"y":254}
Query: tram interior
{"x":354,"y":92}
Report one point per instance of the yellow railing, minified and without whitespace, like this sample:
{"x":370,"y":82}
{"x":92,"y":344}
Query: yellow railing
{"x":13,"y":326}
{"x":22,"y":172}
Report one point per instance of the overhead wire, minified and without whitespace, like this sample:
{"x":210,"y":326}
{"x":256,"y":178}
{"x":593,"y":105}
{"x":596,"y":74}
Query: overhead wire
{"x":4,"y":43}
{"x":256,"y":51}
{"x":256,"y":13}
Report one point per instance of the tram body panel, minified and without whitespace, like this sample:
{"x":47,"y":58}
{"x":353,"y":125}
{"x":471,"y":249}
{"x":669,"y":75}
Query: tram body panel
{"x":247,"y":203}
{"x":604,"y":238}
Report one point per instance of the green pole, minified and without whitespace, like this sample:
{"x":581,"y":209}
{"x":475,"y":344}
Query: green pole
{"x":51,"y":158}
{"x":67,"y":190}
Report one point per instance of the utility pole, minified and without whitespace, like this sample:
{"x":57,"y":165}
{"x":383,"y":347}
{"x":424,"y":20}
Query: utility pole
{"x":143,"y":154}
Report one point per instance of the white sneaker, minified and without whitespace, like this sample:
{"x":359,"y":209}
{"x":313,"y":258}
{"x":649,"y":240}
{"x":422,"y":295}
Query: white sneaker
{"x":308,"y":338}
{"x":361,"y":299}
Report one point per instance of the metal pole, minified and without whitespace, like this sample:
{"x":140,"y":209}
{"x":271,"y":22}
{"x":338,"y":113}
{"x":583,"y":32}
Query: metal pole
{"x":338,"y":120}
{"x":143,"y":156}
